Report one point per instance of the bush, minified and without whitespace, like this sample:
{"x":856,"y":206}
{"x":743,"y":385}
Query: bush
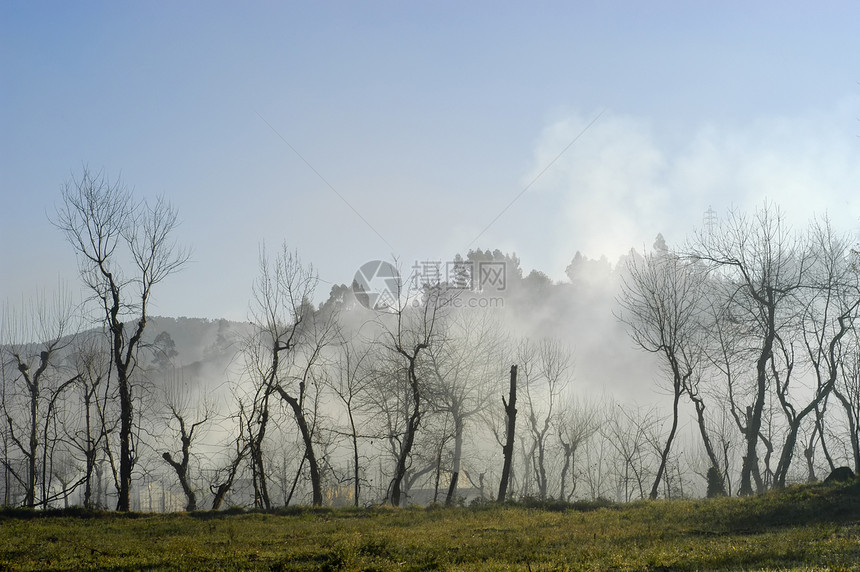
{"x":716,"y":487}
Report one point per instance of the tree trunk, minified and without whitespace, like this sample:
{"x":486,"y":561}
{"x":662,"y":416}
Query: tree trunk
{"x":699,"y":404}
{"x":89,"y":453}
{"x":541,"y":465}
{"x":508,"y":449}
{"x":455,"y":465}
{"x":355,"y":476}
{"x":123,"y":358}
{"x":809,"y":454}
{"x":819,"y":427}
{"x":791,"y":438}
{"x":678,"y":387}
{"x":852,"y":429}
{"x":438,"y":472}
{"x":405,"y":450}
{"x":30,"y":497}
{"x":307,"y":438}
{"x":31,"y":451}
{"x":564,"y":470}
{"x":255,"y":449}
{"x":181,"y":468}
{"x":221,"y":490}
{"x":411,"y":426}
{"x":750,"y":461}
{"x":295,"y":481}
{"x":125,"y":453}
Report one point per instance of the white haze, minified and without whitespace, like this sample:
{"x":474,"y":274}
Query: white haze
{"x":626,"y":179}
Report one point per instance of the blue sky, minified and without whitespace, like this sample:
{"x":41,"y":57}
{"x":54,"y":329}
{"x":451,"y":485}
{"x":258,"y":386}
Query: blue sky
{"x":428,"y":118}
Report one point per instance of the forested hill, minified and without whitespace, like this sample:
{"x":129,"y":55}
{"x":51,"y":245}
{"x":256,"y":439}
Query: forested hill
{"x":183,"y":341}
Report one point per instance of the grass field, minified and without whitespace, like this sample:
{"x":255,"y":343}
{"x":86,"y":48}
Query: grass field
{"x":811,"y":527}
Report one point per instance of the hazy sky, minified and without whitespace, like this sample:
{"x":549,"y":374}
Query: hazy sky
{"x":428,"y":118}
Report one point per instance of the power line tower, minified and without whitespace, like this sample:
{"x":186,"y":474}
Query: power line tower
{"x":710,"y":221}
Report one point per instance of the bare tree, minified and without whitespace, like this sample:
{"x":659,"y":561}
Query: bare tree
{"x":410,"y":329}
{"x":187,"y":422}
{"x":65,"y":470}
{"x":57,"y":419}
{"x":830,"y":301}
{"x":761,"y":264}
{"x":660,"y":300}
{"x":291,"y":341}
{"x":109,"y":230}
{"x":91,"y":432}
{"x":597,"y":454}
{"x":8,"y":473}
{"x":348,"y":383}
{"x":224,"y":477}
{"x":544,"y":369}
{"x":847,"y":391}
{"x":577,"y":423}
{"x":388,"y":402}
{"x":464,"y":370}
{"x":717,"y":468}
{"x":254,"y":417}
{"x":627,"y":433}
{"x":727,"y":353}
{"x":34,"y":337}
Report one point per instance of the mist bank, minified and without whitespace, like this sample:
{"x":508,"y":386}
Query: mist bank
{"x":636,"y":378}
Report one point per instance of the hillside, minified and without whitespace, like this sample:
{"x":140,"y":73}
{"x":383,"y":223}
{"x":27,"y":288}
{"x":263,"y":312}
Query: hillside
{"x":197,"y":339}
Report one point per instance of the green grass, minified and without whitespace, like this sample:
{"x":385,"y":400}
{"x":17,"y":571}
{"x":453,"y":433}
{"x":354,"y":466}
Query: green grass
{"x":813,"y":527}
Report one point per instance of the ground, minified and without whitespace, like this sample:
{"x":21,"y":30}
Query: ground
{"x":810,"y":527}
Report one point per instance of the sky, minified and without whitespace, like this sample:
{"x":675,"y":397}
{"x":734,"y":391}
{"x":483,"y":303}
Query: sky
{"x":417,"y":130}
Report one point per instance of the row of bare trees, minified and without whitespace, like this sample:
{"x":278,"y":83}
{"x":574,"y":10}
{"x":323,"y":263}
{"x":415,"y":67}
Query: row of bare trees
{"x":123,"y":249}
{"x":411,"y":389}
{"x":754,"y":320}
{"x":752,"y":323}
